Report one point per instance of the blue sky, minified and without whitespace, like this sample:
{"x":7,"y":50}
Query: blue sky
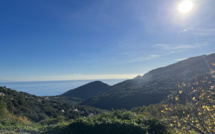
{"x":99,"y":39}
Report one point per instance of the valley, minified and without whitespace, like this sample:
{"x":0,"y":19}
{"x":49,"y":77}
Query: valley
{"x":172,"y":97}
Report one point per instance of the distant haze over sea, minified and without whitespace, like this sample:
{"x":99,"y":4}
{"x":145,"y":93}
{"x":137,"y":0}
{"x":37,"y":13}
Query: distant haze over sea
{"x":51,"y":88}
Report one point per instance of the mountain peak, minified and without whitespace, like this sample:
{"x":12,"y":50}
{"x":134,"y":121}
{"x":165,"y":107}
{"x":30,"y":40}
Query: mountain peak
{"x":88,"y":90}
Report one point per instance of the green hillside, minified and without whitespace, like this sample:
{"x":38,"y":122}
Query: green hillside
{"x":41,"y":108}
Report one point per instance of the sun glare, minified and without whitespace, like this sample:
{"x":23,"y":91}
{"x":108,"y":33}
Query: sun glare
{"x":185,"y":6}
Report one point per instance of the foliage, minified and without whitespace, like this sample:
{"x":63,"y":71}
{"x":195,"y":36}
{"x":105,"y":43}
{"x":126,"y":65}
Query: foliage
{"x":116,"y":122}
{"x":192,"y":108}
{"x":41,"y":108}
{"x":10,"y":123}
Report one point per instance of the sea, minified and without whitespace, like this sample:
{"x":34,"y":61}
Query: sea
{"x":51,"y":88}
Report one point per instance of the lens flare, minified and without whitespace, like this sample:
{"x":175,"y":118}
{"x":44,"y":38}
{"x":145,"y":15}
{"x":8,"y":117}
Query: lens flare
{"x":185,"y":6}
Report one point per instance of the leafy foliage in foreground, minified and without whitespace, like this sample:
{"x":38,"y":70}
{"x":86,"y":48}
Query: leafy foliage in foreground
{"x":116,"y":122}
{"x":190,"y":108}
{"x":10,"y":123}
{"x":193,"y":107}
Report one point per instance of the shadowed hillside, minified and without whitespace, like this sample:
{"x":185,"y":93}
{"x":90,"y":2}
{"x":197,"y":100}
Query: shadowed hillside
{"x":89,"y":90}
{"x":154,"y":86}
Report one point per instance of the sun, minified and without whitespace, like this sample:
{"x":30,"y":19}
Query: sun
{"x":185,"y":6}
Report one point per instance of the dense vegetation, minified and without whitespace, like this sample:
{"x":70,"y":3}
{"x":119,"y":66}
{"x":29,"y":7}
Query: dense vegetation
{"x":128,"y":101}
{"x":41,"y":108}
{"x":116,"y":122}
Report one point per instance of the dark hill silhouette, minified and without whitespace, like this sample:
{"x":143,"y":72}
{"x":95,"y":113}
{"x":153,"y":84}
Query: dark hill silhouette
{"x":89,"y":90}
{"x":154,"y":86}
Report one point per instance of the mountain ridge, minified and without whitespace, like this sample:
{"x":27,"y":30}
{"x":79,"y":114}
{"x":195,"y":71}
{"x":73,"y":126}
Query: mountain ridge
{"x":152,"y":87}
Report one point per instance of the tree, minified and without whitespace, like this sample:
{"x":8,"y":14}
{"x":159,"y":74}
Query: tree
{"x":192,"y":107}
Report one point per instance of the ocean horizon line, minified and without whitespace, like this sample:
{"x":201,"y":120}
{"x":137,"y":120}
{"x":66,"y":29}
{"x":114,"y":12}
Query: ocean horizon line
{"x":51,"y":88}
{"x":11,"y":81}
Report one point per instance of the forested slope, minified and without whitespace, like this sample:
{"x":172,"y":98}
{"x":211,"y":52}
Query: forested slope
{"x":154,"y":86}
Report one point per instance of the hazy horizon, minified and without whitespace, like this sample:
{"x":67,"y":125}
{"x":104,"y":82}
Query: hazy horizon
{"x":51,"y":88}
{"x":10,"y":81}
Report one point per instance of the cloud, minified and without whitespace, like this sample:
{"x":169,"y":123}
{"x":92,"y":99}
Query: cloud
{"x":172,"y":47}
{"x":204,"y":32}
{"x":149,"y":57}
{"x":181,"y":59}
